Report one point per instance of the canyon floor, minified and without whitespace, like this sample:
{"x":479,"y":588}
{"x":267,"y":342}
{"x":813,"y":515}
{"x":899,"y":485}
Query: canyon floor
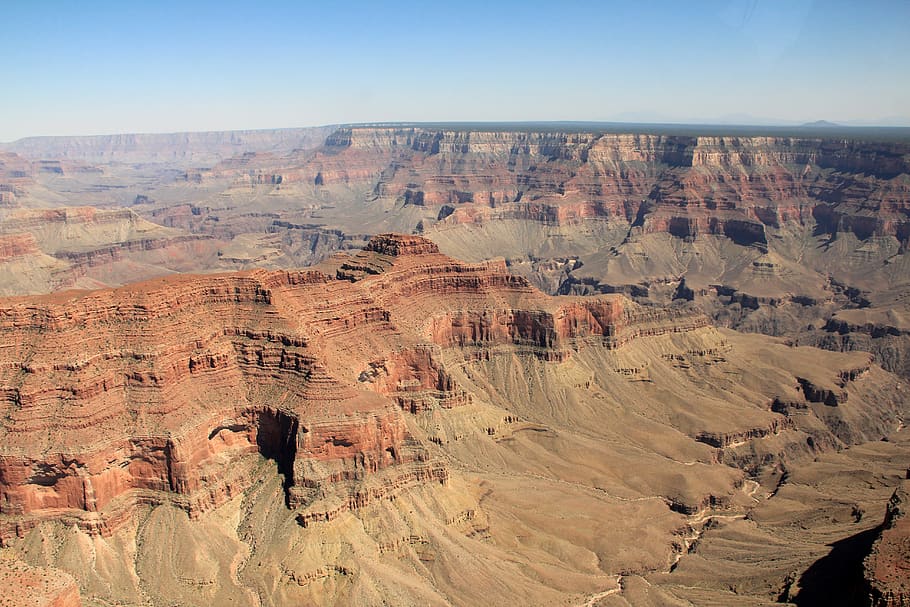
{"x":574,"y":368}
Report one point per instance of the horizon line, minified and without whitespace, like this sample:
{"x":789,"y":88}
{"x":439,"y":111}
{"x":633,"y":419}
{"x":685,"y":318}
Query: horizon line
{"x":581,"y":125}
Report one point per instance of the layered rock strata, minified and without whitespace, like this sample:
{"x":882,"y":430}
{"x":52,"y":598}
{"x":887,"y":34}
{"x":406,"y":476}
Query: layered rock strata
{"x":685,"y":186}
{"x":414,"y":409}
{"x":166,"y":147}
{"x":157,"y":392}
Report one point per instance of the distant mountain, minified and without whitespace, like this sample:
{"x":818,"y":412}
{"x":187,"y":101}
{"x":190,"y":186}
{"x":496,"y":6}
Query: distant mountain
{"x":820,"y":123}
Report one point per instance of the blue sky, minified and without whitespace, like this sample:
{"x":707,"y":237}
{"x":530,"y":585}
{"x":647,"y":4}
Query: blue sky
{"x":87,"y":67}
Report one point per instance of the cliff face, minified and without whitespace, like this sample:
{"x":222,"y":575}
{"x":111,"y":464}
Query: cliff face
{"x":739,"y":187}
{"x":147,"y":394}
{"x":144,"y":394}
{"x":48,"y":249}
{"x":791,"y":224}
{"x":887,"y":568}
{"x":17,"y":245}
{"x":778,"y":235}
{"x":16,"y":173}
{"x":152,"y":419}
{"x":394,"y":423}
{"x":734,"y":186}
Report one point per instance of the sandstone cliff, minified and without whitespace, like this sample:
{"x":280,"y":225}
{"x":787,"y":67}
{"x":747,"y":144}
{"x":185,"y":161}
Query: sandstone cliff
{"x":264,"y":362}
{"x":734,"y":186}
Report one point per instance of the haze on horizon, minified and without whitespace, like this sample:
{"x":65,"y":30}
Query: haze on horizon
{"x":106,"y":67}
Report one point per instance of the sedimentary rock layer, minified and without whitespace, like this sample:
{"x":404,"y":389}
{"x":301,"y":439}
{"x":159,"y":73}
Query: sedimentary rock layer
{"x":145,"y":394}
{"x":285,"y":433}
{"x":734,"y":186}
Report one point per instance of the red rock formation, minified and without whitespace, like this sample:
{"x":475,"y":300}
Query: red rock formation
{"x":164,"y":391}
{"x":103,"y":246}
{"x":16,"y":175}
{"x":887,"y":568}
{"x":392,"y":244}
{"x":156,"y":392}
{"x":415,"y":379}
{"x":17,"y":245}
{"x":733,"y":186}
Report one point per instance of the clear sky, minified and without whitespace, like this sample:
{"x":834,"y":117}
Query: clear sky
{"x":92,"y":67}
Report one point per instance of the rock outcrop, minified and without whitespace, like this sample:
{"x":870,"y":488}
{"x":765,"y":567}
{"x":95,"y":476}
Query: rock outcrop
{"x":887,"y":568}
{"x":157,"y":392}
{"x":51,"y":249}
{"x":770,"y":231}
{"x":16,"y":174}
{"x":13,"y":246}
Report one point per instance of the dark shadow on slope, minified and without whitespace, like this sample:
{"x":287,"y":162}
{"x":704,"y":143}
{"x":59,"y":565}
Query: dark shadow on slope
{"x":837,"y":579}
{"x":277,"y":440}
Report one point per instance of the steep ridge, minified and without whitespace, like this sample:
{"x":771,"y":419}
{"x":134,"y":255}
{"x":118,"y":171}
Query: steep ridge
{"x":74,"y":231}
{"x":733,"y":186}
{"x":604,"y":196}
{"x":395,"y":425}
{"x":16,"y":173}
{"x":268,"y":327}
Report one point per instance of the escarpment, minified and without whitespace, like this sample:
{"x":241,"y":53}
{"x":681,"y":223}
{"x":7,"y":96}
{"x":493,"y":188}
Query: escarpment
{"x":16,"y":175}
{"x":734,"y":186}
{"x":53,"y":249}
{"x":789,"y":225}
{"x":160,"y":392}
{"x":194,"y":147}
{"x":17,"y":245}
{"x":81,"y":233}
{"x":771,"y":232}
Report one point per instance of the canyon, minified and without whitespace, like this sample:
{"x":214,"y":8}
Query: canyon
{"x":784,"y":234}
{"x":447,"y":365}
